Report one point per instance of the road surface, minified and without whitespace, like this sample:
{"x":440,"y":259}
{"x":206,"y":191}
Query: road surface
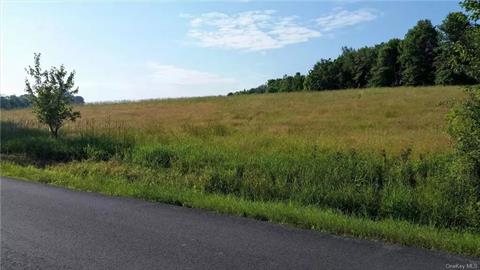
{"x":45,"y":227}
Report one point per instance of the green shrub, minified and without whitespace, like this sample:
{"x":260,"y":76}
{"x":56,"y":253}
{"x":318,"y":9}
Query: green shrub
{"x":464,"y":127}
{"x":154,"y":156}
{"x":398,"y":201}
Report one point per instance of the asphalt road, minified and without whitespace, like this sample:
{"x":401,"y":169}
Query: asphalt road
{"x":44,"y":227}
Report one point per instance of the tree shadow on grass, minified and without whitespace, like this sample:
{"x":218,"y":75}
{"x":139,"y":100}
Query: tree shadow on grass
{"x":36,"y":146}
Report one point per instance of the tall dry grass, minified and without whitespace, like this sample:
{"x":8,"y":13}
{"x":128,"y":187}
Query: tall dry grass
{"x":389,"y":119}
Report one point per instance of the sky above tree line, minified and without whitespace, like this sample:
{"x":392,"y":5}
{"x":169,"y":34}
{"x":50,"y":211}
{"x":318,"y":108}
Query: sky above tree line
{"x":139,"y":50}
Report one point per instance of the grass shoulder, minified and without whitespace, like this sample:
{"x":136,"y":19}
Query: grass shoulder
{"x":86,"y":176}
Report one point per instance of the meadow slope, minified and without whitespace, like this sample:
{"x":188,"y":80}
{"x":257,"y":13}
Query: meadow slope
{"x":385,"y":118}
{"x":374,"y":163}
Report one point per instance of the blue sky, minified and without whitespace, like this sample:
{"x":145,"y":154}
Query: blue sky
{"x":138,"y":50}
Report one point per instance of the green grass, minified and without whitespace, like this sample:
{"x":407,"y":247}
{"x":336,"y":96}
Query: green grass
{"x":358,"y":183}
{"x":368,"y":163}
{"x":324,"y":220}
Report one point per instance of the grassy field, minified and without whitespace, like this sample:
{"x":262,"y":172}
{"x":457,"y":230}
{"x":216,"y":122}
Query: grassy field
{"x":390,"y":119}
{"x":374,"y":163}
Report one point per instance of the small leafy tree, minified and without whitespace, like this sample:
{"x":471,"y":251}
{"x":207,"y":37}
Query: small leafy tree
{"x":465,"y":117}
{"x":51,"y":94}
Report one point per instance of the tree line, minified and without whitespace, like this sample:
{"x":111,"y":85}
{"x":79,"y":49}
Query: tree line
{"x":23,"y":101}
{"x":427,"y":55}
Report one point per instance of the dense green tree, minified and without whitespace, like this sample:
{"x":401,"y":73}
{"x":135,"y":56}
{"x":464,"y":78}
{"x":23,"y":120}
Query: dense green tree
{"x":345,"y":64}
{"x":386,"y":70}
{"x":418,"y":54}
{"x":354,"y":67}
{"x":274,"y":85}
{"x":22,"y":101}
{"x":453,"y":27}
{"x":364,"y":60}
{"x":255,"y":90}
{"x":473,"y":8}
{"x":51,"y":94}
{"x":426,"y":56}
{"x":286,"y":84}
{"x":449,"y":68}
{"x":323,"y":76}
{"x":298,"y":81}
{"x":470,"y":49}
{"x":78,"y":100}
{"x":14,"y":102}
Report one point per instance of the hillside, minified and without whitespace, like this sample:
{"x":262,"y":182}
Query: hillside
{"x":373,"y":119}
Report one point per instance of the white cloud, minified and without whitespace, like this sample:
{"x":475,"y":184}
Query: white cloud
{"x":168,"y":74}
{"x":263,"y":30}
{"x":252,"y":30}
{"x":343,"y":18}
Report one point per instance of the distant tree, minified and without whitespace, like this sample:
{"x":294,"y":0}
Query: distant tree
{"x":78,"y":100}
{"x":426,"y":56}
{"x":22,"y":101}
{"x":14,"y":102}
{"x":386,"y":70}
{"x":345,"y":65}
{"x":50,"y":94}
{"x":364,"y":60}
{"x":255,"y":90}
{"x":418,"y":54}
{"x":4,"y":102}
{"x":286,"y":84}
{"x":354,"y":66}
{"x":453,"y":30}
{"x":274,"y":85}
{"x":453,"y":27}
{"x":298,"y":81}
{"x":323,"y":76}
{"x":259,"y":90}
